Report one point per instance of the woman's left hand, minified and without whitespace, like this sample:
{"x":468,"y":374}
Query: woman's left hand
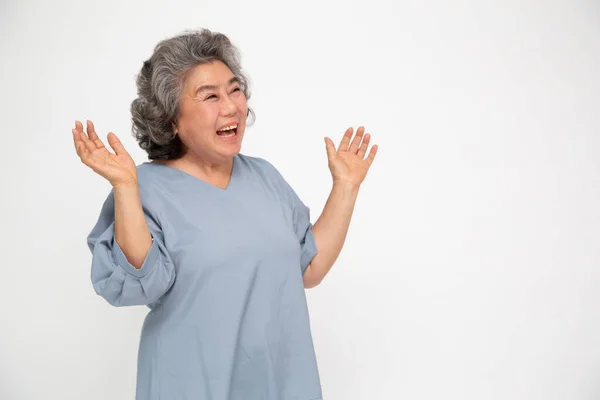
{"x":348,"y":163}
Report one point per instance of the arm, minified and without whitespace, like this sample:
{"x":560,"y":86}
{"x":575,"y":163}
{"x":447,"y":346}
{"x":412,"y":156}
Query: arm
{"x":349,"y":168}
{"x":330,"y":231}
{"x":131,"y":229}
{"x":117,"y":276}
{"x":130,"y":264}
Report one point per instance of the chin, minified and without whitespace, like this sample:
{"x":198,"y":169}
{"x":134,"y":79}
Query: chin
{"x":231,"y":150}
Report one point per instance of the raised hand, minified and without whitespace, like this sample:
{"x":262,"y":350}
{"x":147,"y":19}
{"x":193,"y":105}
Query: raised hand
{"x":348,"y":163}
{"x":118,"y":168}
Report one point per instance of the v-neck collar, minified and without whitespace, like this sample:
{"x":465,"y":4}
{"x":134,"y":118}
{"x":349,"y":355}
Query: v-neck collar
{"x":202,"y":181}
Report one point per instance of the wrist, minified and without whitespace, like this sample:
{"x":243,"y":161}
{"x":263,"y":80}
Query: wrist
{"x":126,"y":187}
{"x":346,"y":186}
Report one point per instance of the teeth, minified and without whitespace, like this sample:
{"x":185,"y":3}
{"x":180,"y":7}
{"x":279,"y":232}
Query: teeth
{"x":228,"y":135}
{"x":228,"y":128}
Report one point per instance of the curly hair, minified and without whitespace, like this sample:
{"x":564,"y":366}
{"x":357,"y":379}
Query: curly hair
{"x":161,"y":80}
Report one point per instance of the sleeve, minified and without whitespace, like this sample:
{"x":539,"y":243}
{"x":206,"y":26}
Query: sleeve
{"x":303,"y":228}
{"x":301,"y":220}
{"x":113,"y":277}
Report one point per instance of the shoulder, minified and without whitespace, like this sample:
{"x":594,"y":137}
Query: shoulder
{"x":150,"y":176}
{"x":265,"y":172}
{"x":155,"y":183}
{"x":259,"y":166}
{"x":254,"y":162}
{"x":270,"y":176}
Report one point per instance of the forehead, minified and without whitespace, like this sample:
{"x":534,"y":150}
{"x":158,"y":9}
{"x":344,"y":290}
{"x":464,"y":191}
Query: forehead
{"x":214,"y":73}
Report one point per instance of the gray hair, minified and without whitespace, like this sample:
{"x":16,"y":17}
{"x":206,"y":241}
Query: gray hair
{"x":161,"y":80}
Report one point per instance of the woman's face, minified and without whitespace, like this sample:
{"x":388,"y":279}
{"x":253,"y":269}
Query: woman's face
{"x":212,"y":103}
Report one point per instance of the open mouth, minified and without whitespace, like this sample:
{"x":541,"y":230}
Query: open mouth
{"x":228,"y":132}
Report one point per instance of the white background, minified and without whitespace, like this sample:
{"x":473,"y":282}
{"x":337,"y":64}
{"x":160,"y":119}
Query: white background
{"x":471,"y":270}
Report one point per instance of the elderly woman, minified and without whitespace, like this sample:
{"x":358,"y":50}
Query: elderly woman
{"x":215,"y":243}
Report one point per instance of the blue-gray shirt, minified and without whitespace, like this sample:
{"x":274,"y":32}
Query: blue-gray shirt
{"x":228,"y":316}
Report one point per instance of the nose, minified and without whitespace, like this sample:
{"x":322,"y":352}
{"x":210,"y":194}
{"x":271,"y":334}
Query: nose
{"x":228,"y":107}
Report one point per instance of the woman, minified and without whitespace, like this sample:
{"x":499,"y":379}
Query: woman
{"x":215,"y":243}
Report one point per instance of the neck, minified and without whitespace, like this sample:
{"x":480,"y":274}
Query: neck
{"x":207,"y":167}
{"x":217,"y":173}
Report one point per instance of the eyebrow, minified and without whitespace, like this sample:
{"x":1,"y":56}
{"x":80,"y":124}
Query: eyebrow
{"x":205,"y":88}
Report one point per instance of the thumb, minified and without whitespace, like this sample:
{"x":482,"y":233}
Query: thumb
{"x":116,"y":144}
{"x":330,"y":147}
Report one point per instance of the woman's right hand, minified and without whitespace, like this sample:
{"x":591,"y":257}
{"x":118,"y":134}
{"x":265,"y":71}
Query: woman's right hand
{"x":118,"y":168}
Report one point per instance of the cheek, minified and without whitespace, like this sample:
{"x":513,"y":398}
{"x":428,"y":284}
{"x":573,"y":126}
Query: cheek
{"x":242,"y":105}
{"x":206,"y":116}
{"x":199,"y":122}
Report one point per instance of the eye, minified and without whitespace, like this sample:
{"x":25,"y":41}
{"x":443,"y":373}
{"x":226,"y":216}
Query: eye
{"x":211,"y":96}
{"x":237,"y":89}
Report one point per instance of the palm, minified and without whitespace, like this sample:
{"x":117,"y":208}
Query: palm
{"x":118,"y":168}
{"x":348,"y":162}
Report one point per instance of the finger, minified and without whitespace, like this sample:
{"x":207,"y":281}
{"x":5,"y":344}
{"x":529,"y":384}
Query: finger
{"x":362,"y":150}
{"x":75,"y":137}
{"x":345,"y":143}
{"x":82,"y":152}
{"x":80,"y":146}
{"x":77,"y":142}
{"x":93,"y":136}
{"x":116,"y":144}
{"x":356,"y":141}
{"x":89,"y":145}
{"x":372,"y":154}
{"x":330,"y":147}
